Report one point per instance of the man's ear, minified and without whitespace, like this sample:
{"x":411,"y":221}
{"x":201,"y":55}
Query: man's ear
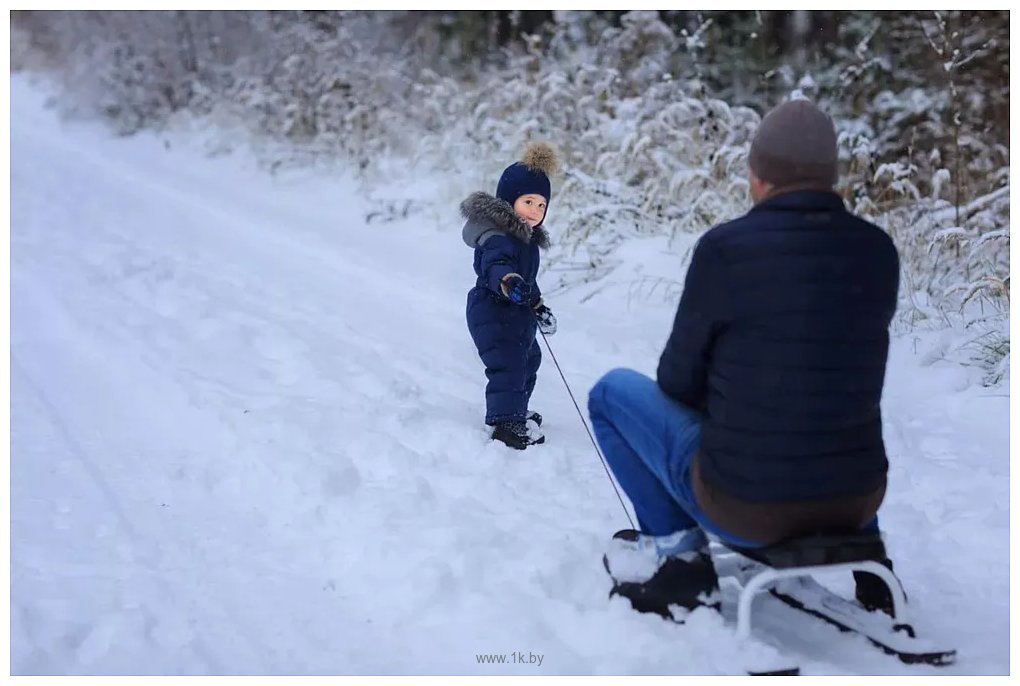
{"x":759,"y":189}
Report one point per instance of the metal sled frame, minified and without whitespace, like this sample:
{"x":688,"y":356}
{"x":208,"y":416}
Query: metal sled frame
{"x":810,"y":555}
{"x":770,"y":575}
{"x":803,"y":558}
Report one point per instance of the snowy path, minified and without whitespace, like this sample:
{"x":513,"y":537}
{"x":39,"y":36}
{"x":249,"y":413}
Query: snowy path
{"x":246,"y":438}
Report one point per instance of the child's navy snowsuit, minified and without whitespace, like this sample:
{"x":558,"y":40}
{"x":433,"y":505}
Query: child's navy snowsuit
{"x":503,"y":332}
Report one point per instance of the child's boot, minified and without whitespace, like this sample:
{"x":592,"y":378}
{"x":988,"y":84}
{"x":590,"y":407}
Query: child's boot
{"x":515,"y":434}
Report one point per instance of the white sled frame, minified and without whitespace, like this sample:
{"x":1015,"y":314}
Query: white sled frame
{"x":766,"y":576}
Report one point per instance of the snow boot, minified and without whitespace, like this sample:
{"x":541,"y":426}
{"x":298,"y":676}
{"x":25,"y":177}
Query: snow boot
{"x":515,"y":435}
{"x":670,"y":576}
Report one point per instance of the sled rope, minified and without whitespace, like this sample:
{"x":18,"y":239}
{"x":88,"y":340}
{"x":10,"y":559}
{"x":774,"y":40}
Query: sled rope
{"x":583,"y":421}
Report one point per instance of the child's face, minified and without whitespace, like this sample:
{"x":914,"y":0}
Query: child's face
{"x":530,"y":208}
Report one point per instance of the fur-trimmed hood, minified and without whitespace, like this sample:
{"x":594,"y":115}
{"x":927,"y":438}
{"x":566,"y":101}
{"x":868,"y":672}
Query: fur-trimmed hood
{"x":487,"y":216}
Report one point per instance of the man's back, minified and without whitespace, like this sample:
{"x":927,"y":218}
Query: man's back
{"x":782,"y":338}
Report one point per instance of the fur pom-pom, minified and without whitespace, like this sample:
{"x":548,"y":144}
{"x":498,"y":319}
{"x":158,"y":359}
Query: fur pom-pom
{"x":541,"y":157}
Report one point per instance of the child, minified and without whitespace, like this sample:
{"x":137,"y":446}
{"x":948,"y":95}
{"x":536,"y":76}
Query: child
{"x":505,"y":307}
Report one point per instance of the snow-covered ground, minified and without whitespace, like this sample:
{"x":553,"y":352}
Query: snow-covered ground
{"x":246,"y":438}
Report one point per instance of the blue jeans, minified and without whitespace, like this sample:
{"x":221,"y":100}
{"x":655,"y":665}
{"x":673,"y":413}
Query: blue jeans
{"x":649,"y":440}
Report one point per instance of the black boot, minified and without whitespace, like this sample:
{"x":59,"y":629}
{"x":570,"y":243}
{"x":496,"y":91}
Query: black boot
{"x":684,"y":578}
{"x":514,"y":435}
{"x":535,"y":417}
{"x":873,"y":593}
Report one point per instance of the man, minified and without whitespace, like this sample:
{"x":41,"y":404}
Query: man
{"x":764,"y":421}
